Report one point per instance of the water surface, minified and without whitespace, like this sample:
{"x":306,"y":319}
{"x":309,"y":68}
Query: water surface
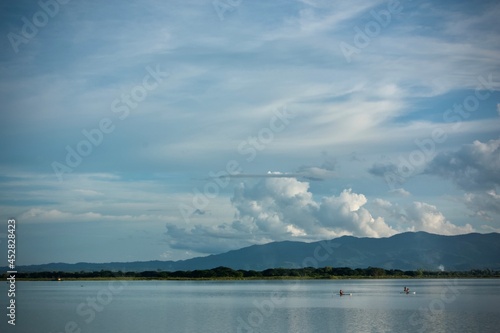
{"x":255,"y":306}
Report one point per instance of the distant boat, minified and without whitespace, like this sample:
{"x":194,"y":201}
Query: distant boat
{"x":343,"y":294}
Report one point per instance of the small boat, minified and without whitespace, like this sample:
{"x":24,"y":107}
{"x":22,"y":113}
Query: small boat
{"x":344,"y":294}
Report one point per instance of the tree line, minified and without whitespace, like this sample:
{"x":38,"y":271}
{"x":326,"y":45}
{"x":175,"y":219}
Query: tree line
{"x":271,"y":273}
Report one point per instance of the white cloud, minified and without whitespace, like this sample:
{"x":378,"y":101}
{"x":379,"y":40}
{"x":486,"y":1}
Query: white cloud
{"x":227,"y":80}
{"x":400,"y":192}
{"x":282,"y":209}
{"x":346,"y":214}
{"x":424,"y":217}
{"x":418,"y":216}
{"x":88,"y":197}
{"x":86,"y":192}
{"x":294,"y":231}
{"x":277,"y":209}
{"x":275,"y":204}
{"x":41,"y":215}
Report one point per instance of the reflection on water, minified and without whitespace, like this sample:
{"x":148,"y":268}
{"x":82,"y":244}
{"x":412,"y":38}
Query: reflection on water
{"x":257,"y":306}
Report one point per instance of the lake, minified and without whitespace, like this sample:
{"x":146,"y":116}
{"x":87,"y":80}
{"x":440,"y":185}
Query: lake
{"x":460,"y":305}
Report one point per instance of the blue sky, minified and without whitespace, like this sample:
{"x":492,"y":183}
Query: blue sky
{"x":164,"y":130}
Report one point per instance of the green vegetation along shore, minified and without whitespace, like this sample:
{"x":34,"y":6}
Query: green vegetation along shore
{"x":225,"y":273}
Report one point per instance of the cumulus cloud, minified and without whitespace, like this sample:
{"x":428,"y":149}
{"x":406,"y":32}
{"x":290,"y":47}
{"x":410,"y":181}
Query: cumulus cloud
{"x":418,"y":216}
{"x":421,"y":216}
{"x":277,"y":209}
{"x":273,"y":205}
{"x":474,"y":168}
{"x":281,"y":205}
{"x":346,"y":213}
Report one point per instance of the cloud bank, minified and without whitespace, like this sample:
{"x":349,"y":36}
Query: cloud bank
{"x":276,"y":209}
{"x":474,"y":168}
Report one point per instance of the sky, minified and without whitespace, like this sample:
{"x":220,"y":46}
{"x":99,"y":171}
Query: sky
{"x":165,"y":130}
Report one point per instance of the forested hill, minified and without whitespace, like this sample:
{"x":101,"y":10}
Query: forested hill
{"x":406,"y":251}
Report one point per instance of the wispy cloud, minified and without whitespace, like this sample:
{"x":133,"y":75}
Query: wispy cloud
{"x":353,"y":122}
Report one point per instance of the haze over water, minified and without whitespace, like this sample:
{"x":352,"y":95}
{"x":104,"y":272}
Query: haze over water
{"x":465,"y":305}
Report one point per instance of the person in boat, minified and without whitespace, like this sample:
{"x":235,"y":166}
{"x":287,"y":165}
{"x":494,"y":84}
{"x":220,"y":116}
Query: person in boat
{"x":341,"y":293}
{"x":407,"y":290}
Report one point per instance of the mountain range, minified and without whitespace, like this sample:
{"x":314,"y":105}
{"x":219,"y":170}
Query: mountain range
{"x":405,"y":251}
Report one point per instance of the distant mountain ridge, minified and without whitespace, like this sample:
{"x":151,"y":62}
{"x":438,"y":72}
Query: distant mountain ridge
{"x":405,"y":251}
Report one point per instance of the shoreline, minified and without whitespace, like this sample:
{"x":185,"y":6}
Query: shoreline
{"x":222,"y":273}
{"x":283,"y":278}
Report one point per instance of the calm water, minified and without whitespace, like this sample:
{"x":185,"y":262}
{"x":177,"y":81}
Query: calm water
{"x":255,"y":306}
